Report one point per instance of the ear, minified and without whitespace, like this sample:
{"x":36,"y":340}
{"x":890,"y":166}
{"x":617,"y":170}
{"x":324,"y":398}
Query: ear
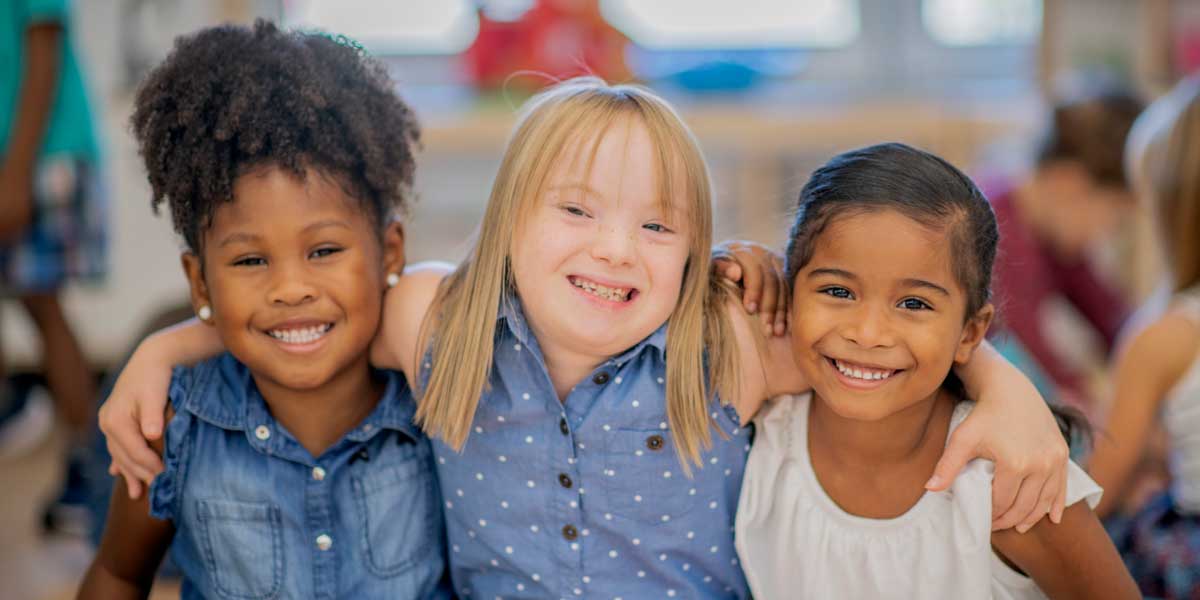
{"x":393,"y":248}
{"x":973,"y":333}
{"x":193,"y":269}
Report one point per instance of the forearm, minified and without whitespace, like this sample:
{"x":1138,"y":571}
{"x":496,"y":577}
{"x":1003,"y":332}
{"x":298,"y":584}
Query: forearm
{"x":987,"y":371}
{"x":185,"y":343}
{"x":43,"y":50}
{"x":1110,"y":469}
{"x":101,"y":584}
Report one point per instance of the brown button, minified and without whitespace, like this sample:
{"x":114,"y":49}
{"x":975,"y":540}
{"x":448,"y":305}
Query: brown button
{"x":562,"y":426}
{"x":564,"y":480}
{"x":654,"y":442}
{"x":600,"y":378}
{"x":570,"y":532}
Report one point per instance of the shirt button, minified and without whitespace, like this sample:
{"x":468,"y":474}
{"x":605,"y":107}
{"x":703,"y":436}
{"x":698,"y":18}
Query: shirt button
{"x":318,"y":473}
{"x":570,"y":532}
{"x":564,"y":480}
{"x":600,"y":378}
{"x":562,"y":426}
{"x":654,"y":442}
{"x":324,"y":542}
{"x":262,"y":432}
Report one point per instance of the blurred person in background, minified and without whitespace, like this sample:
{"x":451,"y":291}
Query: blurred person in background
{"x":1157,"y":370}
{"x":52,"y":223}
{"x":1075,"y":196}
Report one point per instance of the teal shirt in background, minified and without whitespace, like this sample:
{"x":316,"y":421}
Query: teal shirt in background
{"x":69,"y":130}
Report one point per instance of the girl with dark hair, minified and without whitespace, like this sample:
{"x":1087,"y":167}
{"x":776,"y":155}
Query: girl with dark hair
{"x":890,"y":258}
{"x":1075,"y":196}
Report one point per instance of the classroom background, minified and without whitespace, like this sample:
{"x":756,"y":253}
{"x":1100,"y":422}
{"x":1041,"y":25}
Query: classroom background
{"x":772,"y":88}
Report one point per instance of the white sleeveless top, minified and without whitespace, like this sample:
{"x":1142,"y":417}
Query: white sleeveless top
{"x":1181,"y":416}
{"x":795,"y":542}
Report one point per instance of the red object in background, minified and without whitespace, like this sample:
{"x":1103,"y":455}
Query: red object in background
{"x":1187,"y":50}
{"x":558,"y":38}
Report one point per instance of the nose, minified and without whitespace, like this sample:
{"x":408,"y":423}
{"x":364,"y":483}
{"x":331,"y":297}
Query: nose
{"x":870,"y":327}
{"x":290,"y":285}
{"x":614,"y":244}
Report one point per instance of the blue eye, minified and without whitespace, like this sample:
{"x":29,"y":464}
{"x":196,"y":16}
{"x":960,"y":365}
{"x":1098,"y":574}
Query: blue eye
{"x":837,"y":292}
{"x":575,"y":210}
{"x":914,"y":304}
{"x":656,"y":227}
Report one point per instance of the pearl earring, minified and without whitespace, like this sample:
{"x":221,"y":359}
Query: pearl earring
{"x":205,"y":313}
{"x":393,"y":279}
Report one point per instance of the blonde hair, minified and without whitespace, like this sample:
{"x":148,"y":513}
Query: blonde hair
{"x":462,"y":322}
{"x":1167,"y":165}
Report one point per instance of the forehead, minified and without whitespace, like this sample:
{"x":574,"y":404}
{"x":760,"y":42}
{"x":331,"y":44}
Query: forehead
{"x":885,"y":245}
{"x":274,"y":199}
{"x":620,"y":162}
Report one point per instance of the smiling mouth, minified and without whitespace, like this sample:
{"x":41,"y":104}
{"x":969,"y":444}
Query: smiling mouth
{"x":861,"y":372}
{"x":612,"y":294}
{"x":300,"y":335}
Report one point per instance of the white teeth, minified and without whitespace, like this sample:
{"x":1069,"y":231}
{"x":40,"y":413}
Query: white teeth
{"x":861,"y":372}
{"x":300,"y":336}
{"x":612,"y":294}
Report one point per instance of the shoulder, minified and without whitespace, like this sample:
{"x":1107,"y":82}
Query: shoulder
{"x":214,"y":390}
{"x":1164,"y":348}
{"x":406,"y":309}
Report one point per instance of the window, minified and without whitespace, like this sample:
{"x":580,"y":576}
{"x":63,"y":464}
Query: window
{"x":391,"y":26}
{"x":748,"y":24}
{"x":982,"y":22}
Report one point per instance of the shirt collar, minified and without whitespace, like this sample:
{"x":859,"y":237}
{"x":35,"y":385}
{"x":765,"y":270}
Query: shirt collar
{"x":235,"y":403}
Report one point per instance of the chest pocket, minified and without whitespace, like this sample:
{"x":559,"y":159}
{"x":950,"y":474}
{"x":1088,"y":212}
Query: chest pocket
{"x":243,"y":547}
{"x":643,"y":479}
{"x":397,"y":504}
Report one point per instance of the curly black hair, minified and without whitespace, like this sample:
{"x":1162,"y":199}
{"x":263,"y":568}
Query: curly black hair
{"x":230,"y":99}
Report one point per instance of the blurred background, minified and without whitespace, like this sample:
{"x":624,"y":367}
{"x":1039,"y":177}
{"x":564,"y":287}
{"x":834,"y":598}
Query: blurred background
{"x":772,"y":88}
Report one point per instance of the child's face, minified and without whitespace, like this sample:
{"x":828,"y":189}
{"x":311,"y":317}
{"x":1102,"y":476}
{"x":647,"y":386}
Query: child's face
{"x":293,"y":271}
{"x":598,"y":264}
{"x":878,"y":315}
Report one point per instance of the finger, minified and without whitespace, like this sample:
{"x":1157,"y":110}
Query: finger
{"x":1041,"y":508}
{"x":151,"y":422}
{"x":770,"y":290}
{"x":128,"y":468}
{"x":1024,"y":504}
{"x":1045,"y":502}
{"x":728,"y":268}
{"x":781,"y":309}
{"x":752,"y":289}
{"x":1004,"y":494}
{"x":1060,"y":503}
{"x":135,"y":488}
{"x":128,"y":464}
{"x":959,"y":450}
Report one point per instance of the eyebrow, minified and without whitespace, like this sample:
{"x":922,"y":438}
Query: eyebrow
{"x":242,"y":237}
{"x":910,"y":282}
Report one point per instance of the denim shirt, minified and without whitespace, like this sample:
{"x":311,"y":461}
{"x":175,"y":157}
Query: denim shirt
{"x":587,"y":497}
{"x":256,"y":516}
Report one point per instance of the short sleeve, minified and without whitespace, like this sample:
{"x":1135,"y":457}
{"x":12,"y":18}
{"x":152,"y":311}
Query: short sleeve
{"x":166,"y":489}
{"x":1081,"y":487}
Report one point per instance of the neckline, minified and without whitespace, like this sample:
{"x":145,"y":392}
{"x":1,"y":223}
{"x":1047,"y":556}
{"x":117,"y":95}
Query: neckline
{"x":799,"y":434}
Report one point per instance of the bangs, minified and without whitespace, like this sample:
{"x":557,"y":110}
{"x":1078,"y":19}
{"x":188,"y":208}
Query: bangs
{"x":573,"y":131}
